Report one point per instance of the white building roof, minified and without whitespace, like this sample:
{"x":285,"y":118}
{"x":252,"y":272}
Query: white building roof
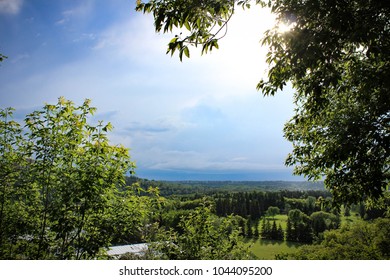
{"x":133,"y":248}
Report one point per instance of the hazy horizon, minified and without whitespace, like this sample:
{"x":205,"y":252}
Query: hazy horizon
{"x":216,"y":175}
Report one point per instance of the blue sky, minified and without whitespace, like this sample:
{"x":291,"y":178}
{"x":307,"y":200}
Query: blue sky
{"x":200,"y":119}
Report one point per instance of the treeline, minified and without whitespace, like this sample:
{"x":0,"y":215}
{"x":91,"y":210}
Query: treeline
{"x":271,"y":231}
{"x":178,"y":188}
{"x":309,"y":213}
{"x":254,"y":204}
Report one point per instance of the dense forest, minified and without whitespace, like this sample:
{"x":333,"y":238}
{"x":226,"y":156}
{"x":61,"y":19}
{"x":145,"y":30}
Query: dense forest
{"x":310,"y":220}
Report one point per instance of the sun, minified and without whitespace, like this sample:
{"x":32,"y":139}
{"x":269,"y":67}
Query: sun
{"x":282,"y":27}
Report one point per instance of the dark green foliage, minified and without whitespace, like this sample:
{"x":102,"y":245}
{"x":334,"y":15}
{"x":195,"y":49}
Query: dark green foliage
{"x":337,"y":58}
{"x":347,"y":211}
{"x":171,"y":218}
{"x":253,"y":204}
{"x":248,"y":228}
{"x":299,"y":227}
{"x":290,"y":234}
{"x":256,"y":233}
{"x":302,"y":228}
{"x":360,"y":241}
{"x":273,"y":231}
{"x":169,"y":188}
{"x":265,"y":229}
{"x":280,"y":233}
{"x":273,"y":211}
{"x":307,"y":205}
{"x":368,"y":211}
{"x":322,"y":221}
{"x":241,"y":222}
{"x":204,"y":236}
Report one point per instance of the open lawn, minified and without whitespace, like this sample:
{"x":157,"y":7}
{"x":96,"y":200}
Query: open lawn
{"x":281,"y":219}
{"x":267,"y":249}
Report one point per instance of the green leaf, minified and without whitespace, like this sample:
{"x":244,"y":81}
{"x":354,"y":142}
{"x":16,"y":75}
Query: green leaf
{"x":187,"y":25}
{"x":187,"y":52}
{"x":198,"y":22}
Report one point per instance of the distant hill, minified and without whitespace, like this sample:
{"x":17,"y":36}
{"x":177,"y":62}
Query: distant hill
{"x":192,"y":187}
{"x":252,"y":185}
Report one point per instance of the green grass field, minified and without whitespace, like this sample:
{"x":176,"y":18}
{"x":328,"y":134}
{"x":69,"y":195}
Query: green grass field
{"x":281,"y":219}
{"x":267,"y":249}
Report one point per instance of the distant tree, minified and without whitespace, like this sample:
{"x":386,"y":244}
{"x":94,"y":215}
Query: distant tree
{"x":274,"y":231}
{"x":304,"y":232}
{"x":362,"y":210}
{"x":272,"y":211}
{"x":310,"y":205}
{"x":249,"y":230}
{"x":290,"y":234}
{"x":296,"y":203}
{"x":299,"y":227}
{"x":266,"y":229}
{"x":280,"y":235}
{"x":347,"y":211}
{"x":322,"y":221}
{"x":256,"y":233}
{"x":242,"y":225}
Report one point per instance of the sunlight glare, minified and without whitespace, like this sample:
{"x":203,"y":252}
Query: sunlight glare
{"x":284,"y":27}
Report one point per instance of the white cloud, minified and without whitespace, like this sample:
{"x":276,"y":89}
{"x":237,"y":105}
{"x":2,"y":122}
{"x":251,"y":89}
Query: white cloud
{"x":81,"y":11}
{"x":161,"y":159}
{"x":12,"y":7}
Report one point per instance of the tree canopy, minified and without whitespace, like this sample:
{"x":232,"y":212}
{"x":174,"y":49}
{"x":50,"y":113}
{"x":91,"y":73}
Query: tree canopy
{"x":59,"y":179}
{"x":336,"y":56}
{"x":359,"y":241}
